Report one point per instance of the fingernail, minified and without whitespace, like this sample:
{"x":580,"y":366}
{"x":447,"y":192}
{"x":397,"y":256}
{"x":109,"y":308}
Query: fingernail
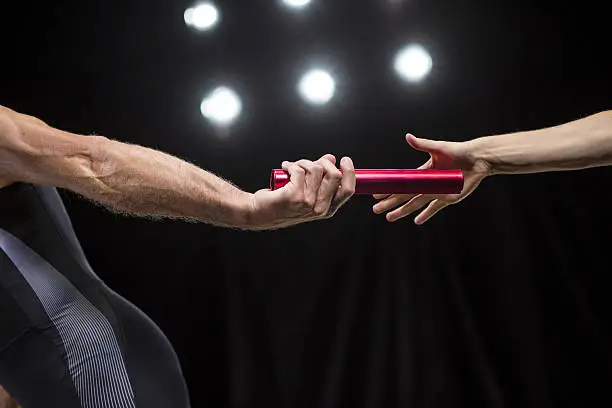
{"x":375,"y":209}
{"x":347,"y":161}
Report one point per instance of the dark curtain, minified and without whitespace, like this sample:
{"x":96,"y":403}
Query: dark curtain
{"x":500,"y":301}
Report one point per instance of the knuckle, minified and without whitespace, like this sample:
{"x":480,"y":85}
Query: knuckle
{"x":348,"y":191}
{"x":350,"y":172}
{"x":335,"y":175}
{"x":306,"y":202}
{"x":320,"y":211}
{"x":453,"y":199}
{"x":317,"y":168}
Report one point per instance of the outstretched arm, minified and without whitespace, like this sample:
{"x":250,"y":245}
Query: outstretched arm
{"x":141,"y":181}
{"x":579,"y":144}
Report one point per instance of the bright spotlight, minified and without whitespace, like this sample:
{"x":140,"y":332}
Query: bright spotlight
{"x":296,"y":3}
{"x":413,"y":63}
{"x":204,"y":16}
{"x":317,"y":87}
{"x":222,"y":106}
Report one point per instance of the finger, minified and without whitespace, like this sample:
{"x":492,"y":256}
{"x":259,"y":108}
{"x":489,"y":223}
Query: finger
{"x":314,"y":176}
{"x":329,"y":187}
{"x":427,"y":165}
{"x":329,"y":157}
{"x":391,"y":202}
{"x":424,"y":145}
{"x":380,"y":196}
{"x":296,"y":176}
{"x":410,"y":207}
{"x":430,"y":211}
{"x":347,"y":185}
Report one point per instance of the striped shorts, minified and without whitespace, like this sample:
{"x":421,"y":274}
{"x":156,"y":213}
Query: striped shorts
{"x":75,"y":343}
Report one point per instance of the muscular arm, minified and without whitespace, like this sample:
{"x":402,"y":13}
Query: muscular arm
{"x":579,"y":144}
{"x":125,"y":178}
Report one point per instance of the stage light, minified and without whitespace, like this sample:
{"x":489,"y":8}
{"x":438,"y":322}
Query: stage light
{"x":413,"y":63}
{"x":222,"y":106}
{"x":203,"y":17}
{"x":317,"y":87}
{"x":296,"y":3}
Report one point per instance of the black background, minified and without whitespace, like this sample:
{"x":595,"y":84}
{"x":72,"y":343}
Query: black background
{"x":501,"y":301}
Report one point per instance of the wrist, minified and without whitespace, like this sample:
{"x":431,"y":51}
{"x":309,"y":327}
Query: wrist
{"x":260,"y":212}
{"x":230,"y":209}
{"x":479,"y":154}
{"x":245,"y":211}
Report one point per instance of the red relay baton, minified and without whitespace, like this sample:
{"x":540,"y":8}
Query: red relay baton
{"x":394,"y":181}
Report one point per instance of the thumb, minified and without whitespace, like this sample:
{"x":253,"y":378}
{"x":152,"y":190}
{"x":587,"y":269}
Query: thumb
{"x":424,"y":145}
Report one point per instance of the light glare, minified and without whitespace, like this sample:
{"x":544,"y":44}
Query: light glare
{"x":222,"y":106}
{"x":296,"y":3}
{"x":413,"y":63}
{"x":202,"y":17}
{"x":317,"y":87}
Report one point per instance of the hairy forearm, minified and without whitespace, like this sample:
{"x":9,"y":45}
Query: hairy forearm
{"x":142,"y":181}
{"x":125,"y":178}
{"x":575,"y":145}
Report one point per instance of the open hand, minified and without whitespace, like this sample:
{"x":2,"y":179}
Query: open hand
{"x":443,"y":155}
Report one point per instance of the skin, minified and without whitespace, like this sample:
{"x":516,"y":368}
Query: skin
{"x":580,"y":144}
{"x":6,"y":401}
{"x":135,"y":180}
